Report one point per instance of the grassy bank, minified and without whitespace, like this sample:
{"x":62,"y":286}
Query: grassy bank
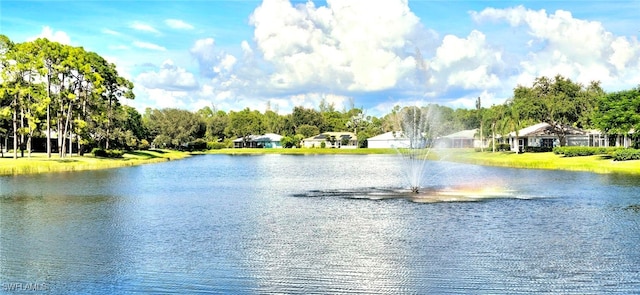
{"x":597,"y":163}
{"x":39,"y":163}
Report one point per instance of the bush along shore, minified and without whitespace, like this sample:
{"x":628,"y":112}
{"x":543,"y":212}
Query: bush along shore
{"x":615,"y":153}
{"x":99,"y":159}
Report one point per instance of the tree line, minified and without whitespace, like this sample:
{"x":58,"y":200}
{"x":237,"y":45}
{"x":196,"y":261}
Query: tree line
{"x":60,"y":92}
{"x":563,"y":103}
{"x":70,"y":99}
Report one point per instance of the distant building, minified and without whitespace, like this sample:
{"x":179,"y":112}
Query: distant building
{"x":269,"y":140}
{"x":391,"y":139}
{"x":542,"y":135}
{"x":343,"y":140}
{"x":461,"y":139}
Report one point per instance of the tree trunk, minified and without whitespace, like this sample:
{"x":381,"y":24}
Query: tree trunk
{"x":106,"y":146}
{"x":22,"y":133}
{"x":49,"y":112}
{"x":70,"y":136}
{"x":60,"y":129}
{"x":493,"y":129}
{"x":15,"y":127}
{"x":29,"y":144}
{"x":64,"y":132}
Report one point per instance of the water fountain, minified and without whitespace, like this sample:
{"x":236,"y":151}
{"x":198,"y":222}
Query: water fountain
{"x":419,"y":130}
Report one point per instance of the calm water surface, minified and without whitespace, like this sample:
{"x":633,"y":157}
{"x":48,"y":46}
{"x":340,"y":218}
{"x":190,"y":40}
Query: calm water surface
{"x":246,"y":224}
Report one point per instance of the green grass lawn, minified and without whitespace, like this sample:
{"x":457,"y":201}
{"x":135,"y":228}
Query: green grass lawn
{"x":39,"y":163}
{"x":597,"y":164}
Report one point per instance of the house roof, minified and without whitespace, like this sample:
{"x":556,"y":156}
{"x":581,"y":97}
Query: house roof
{"x":337,"y":135}
{"x":265,"y":137}
{"x":391,"y":135}
{"x":545,"y":129}
{"x":269,"y":137}
{"x":464,"y":134}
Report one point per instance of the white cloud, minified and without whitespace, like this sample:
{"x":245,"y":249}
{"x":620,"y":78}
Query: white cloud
{"x":56,"y":36}
{"x":111,"y":32}
{"x":204,"y":51}
{"x":169,"y":77}
{"x":469,"y":63}
{"x":140,"y":26}
{"x":147,"y":45}
{"x":178,"y":24}
{"x":579,"y":49}
{"x":226,"y":64}
{"x":355,"y":45}
{"x":118,"y":47}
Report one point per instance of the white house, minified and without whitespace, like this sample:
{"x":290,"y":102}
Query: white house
{"x":460,"y":139}
{"x":542,"y":135}
{"x":345,"y":140}
{"x":391,"y":139}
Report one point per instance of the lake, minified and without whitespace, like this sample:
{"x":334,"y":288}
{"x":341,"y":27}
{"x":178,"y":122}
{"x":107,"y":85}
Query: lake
{"x":281,"y":224}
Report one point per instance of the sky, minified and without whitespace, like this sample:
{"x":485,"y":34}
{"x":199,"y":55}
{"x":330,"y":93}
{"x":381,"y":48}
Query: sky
{"x":370,"y":54}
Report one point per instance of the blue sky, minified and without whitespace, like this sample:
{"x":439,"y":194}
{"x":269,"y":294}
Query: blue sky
{"x":234,"y":54}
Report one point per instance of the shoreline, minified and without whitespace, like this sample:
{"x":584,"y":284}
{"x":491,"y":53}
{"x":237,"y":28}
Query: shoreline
{"x":39,"y":163}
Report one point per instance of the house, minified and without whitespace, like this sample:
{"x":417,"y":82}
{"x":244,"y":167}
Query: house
{"x":461,"y":139}
{"x":391,"y":139}
{"x":332,"y":140}
{"x":269,"y":140}
{"x":541,"y":135}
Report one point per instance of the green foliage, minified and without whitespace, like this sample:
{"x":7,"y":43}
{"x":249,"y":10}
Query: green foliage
{"x":619,"y":112}
{"x":580,"y":151}
{"x":144,"y":145}
{"x":244,"y":123}
{"x":102,"y":153}
{"x":307,"y":130}
{"x":172,"y":128}
{"x":214,"y":145}
{"x":323,"y":144}
{"x":287,"y":142}
{"x":198,"y":145}
{"x":537,"y":149}
{"x":626,"y":155}
{"x":559,"y":102}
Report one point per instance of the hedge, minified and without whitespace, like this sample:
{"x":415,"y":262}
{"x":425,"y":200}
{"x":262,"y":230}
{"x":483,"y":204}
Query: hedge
{"x":537,"y":149}
{"x":626,"y":155}
{"x":579,"y":151}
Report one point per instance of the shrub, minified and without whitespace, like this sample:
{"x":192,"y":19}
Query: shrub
{"x":626,"y":154}
{"x":115,"y":153}
{"x":503,"y":147}
{"x":578,"y":151}
{"x":144,"y":145}
{"x":213,"y":145}
{"x":198,"y":145}
{"x":98,"y":152}
{"x":537,"y":149}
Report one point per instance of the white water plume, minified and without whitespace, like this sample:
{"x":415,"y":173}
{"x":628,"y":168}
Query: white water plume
{"x":420,"y":128}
